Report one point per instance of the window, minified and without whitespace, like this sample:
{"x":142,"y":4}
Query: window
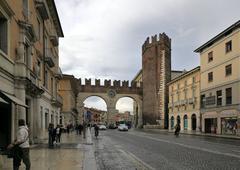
{"x":193,"y":79}
{"x":210,"y":77}
{"x":219,"y":98}
{"x":46,"y":79}
{"x":210,"y":56}
{"x":228,"y":46}
{"x":203,"y":100}
{"x":38,"y":29}
{"x":229,"y":96}
{"x":25,"y":9}
{"x":228,"y":70}
{"x":3,"y":34}
{"x":39,"y":68}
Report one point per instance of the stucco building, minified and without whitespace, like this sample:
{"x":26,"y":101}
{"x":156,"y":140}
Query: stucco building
{"x":220,"y":82}
{"x":29,"y":69}
{"x":68,"y":91}
{"x":184,"y":101}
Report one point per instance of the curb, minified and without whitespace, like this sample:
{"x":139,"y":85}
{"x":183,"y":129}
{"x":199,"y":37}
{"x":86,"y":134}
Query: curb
{"x":195,"y":134}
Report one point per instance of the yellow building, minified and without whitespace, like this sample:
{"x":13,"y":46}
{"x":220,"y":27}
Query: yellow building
{"x":68,"y":90}
{"x":220,"y":82}
{"x":29,"y":67}
{"x":137,"y":118}
{"x":184,"y":97}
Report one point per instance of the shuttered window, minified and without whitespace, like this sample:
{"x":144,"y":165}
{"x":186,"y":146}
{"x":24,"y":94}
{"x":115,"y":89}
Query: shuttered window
{"x":3,"y":34}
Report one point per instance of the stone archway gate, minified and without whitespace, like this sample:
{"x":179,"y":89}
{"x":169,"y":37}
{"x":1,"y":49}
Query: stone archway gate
{"x":110,"y":94}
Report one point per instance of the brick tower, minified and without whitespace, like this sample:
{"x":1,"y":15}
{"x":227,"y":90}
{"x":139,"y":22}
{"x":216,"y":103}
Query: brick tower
{"x":156,"y":67}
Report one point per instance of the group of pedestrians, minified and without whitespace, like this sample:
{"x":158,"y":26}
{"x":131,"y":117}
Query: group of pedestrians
{"x":54,"y":135}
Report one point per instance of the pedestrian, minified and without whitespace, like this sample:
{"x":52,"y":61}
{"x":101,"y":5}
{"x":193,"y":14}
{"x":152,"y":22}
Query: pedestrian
{"x":96,"y":130}
{"x":84,"y":129}
{"x":50,"y":135}
{"x":76,"y":129}
{"x":21,"y":145}
{"x":68,"y":129}
{"x":177,"y":129}
{"x":58,"y":134}
{"x":80,"y":128}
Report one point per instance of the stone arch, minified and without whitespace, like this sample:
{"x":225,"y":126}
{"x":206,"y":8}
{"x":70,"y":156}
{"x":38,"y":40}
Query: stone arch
{"x":110,"y":102}
{"x":136,"y":111}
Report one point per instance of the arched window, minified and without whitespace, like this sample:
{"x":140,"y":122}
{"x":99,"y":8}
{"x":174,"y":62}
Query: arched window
{"x":194,"y":122}
{"x":178,"y":119}
{"x":185,"y":122}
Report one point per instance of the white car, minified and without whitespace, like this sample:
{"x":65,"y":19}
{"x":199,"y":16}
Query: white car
{"x":102,"y":127}
{"x":123,"y":127}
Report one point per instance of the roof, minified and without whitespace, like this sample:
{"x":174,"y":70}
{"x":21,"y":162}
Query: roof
{"x":184,"y":75}
{"x":56,"y":20}
{"x":224,"y":33}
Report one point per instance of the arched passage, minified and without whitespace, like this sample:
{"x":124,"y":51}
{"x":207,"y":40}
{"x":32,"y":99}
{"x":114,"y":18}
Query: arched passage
{"x":185,"y":122}
{"x":194,"y":122}
{"x":125,"y":107}
{"x":111,"y":103}
{"x":95,"y":110}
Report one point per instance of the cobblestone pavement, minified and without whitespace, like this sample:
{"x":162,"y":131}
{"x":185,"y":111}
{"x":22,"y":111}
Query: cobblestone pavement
{"x":116,"y":150}
{"x":68,"y":155}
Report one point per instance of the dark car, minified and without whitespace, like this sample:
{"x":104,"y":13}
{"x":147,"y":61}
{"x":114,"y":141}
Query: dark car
{"x":112,"y":126}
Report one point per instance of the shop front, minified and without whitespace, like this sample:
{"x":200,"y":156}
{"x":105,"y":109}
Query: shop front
{"x":211,"y":125}
{"x":229,"y":125}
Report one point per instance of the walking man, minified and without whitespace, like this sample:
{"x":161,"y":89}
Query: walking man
{"x":22,"y":151}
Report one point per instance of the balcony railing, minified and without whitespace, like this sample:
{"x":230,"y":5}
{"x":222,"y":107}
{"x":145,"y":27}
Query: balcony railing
{"x":49,"y":58}
{"x":58,"y":101}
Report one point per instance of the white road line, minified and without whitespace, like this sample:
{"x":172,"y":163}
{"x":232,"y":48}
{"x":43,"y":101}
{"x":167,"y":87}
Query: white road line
{"x":138,"y":160}
{"x":192,"y":147}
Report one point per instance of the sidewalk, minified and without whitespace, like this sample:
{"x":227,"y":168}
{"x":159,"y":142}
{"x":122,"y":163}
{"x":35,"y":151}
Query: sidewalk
{"x":68,"y":155}
{"x":194,"y":133}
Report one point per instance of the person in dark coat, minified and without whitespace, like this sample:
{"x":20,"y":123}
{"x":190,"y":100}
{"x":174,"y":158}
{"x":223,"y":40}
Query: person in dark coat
{"x":51,"y":135}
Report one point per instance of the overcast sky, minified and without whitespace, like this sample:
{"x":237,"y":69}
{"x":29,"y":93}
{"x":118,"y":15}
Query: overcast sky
{"x":103,"y":38}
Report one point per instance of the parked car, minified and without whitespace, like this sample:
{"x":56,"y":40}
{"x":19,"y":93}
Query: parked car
{"x":112,"y":126}
{"x":122,"y":127}
{"x":102,"y":127}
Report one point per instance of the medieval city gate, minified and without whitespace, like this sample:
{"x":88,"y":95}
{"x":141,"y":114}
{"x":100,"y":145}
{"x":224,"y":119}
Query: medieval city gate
{"x":111,"y":94}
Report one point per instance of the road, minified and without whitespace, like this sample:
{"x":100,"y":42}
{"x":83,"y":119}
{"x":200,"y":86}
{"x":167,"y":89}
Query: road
{"x":134,"y":149}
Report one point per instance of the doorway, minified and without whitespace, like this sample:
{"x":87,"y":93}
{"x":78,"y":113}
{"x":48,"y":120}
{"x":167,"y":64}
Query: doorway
{"x":5,"y":124}
{"x":194,"y":122}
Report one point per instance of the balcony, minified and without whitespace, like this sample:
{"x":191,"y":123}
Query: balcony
{"x":58,"y":73}
{"x":54,"y":40}
{"x":58,"y":101}
{"x":192,"y":100}
{"x":176,"y":104}
{"x":49,"y":58}
{"x":42,"y":9}
{"x":183,"y":102}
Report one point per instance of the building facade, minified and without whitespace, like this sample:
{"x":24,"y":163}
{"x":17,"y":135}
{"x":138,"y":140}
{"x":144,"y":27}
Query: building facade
{"x":29,"y":69}
{"x":156,"y":73}
{"x":68,"y":90}
{"x":184,"y":101}
{"x":220,"y":82}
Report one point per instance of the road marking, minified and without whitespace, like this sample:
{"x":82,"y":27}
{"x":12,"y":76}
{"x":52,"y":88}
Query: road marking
{"x":138,"y":160}
{"x":191,"y":147}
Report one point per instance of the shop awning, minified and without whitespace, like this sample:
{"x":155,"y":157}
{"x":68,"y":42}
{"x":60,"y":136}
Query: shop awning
{"x":13,"y":99}
{"x":3,"y":101}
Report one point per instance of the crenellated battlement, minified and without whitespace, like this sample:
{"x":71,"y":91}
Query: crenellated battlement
{"x":162,"y":38}
{"x":108,"y":83}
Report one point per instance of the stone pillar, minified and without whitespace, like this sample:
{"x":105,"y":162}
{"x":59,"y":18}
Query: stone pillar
{"x":218,"y":124}
{"x":189,"y":123}
{"x":20,"y":94}
{"x":203,"y":124}
{"x":198,"y":122}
